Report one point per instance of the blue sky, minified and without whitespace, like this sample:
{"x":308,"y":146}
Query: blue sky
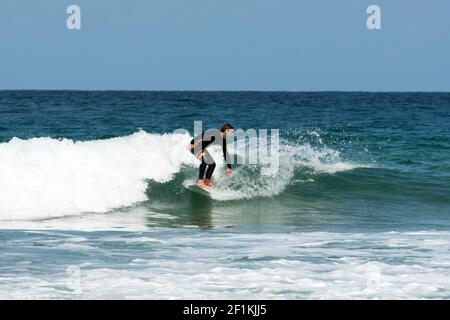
{"x":294,"y":45}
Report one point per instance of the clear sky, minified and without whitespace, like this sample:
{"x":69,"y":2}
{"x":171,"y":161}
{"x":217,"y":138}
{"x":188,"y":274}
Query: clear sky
{"x":294,"y":45}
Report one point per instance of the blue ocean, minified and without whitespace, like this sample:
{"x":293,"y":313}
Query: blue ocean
{"x":95,"y":199}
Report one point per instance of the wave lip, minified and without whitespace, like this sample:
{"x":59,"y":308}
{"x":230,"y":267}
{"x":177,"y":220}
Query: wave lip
{"x":251,"y":181}
{"x":45,"y":177}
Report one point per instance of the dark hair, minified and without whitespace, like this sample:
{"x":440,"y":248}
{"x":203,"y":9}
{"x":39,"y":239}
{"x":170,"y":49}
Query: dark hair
{"x":226,"y":127}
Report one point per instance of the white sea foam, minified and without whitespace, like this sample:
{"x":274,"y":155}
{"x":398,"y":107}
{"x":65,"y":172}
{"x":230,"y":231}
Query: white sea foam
{"x":267,"y":180}
{"x":230,"y":265}
{"x":44,"y":178}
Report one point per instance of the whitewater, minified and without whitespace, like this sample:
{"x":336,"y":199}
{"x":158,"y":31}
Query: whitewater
{"x":46,"y":178}
{"x":242,"y":263}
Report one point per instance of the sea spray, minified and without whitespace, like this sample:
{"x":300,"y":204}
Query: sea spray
{"x":45,"y":177}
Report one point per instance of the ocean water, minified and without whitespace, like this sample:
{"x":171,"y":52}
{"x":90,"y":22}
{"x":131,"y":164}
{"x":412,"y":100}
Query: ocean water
{"x":94,"y":200}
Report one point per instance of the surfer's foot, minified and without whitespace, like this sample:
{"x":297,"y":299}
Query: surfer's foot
{"x":201,"y":183}
{"x":209,"y":183}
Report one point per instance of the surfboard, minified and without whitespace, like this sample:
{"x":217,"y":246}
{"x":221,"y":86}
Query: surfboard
{"x":202,"y":190}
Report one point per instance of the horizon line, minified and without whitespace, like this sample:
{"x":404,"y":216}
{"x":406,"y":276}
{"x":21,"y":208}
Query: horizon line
{"x":229,"y":91}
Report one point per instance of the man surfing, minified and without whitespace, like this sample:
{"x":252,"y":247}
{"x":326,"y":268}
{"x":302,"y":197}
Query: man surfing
{"x":198,"y":147}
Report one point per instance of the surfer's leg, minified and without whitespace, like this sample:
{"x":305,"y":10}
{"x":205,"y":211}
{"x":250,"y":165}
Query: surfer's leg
{"x":201,"y":170}
{"x":201,"y":174}
{"x":211,"y":166}
{"x":210,"y":171}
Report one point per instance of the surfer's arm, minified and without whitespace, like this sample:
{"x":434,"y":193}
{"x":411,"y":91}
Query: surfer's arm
{"x":196,"y":140}
{"x":198,"y":145}
{"x":194,"y":147}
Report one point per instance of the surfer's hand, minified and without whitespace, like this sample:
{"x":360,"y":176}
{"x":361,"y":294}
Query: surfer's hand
{"x":229,"y":172}
{"x":191,"y":146}
{"x":200,"y":155}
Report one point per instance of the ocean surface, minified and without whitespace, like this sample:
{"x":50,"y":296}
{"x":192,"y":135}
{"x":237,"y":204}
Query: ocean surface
{"x":94,"y":197}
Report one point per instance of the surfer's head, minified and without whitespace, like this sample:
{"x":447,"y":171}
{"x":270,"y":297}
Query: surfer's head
{"x":227,"y":130}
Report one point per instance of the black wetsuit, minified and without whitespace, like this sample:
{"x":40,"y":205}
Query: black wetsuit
{"x":207,"y":160}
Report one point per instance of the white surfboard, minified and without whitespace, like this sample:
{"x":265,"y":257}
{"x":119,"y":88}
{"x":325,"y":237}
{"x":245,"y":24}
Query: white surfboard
{"x":202,"y":190}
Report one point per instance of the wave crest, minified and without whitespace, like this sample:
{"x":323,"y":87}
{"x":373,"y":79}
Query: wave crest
{"x":45,"y":177}
{"x":250,"y":181}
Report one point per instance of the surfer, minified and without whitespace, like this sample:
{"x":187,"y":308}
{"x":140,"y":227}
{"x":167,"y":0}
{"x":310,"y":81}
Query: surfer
{"x":198,"y":147}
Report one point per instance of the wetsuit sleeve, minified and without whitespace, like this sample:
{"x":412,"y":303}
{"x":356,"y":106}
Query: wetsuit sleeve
{"x":207,"y":143}
{"x":226,"y":156}
{"x":199,"y":139}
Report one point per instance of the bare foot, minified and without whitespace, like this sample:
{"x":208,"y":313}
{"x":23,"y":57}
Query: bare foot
{"x":209,"y":183}
{"x":201,"y":183}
